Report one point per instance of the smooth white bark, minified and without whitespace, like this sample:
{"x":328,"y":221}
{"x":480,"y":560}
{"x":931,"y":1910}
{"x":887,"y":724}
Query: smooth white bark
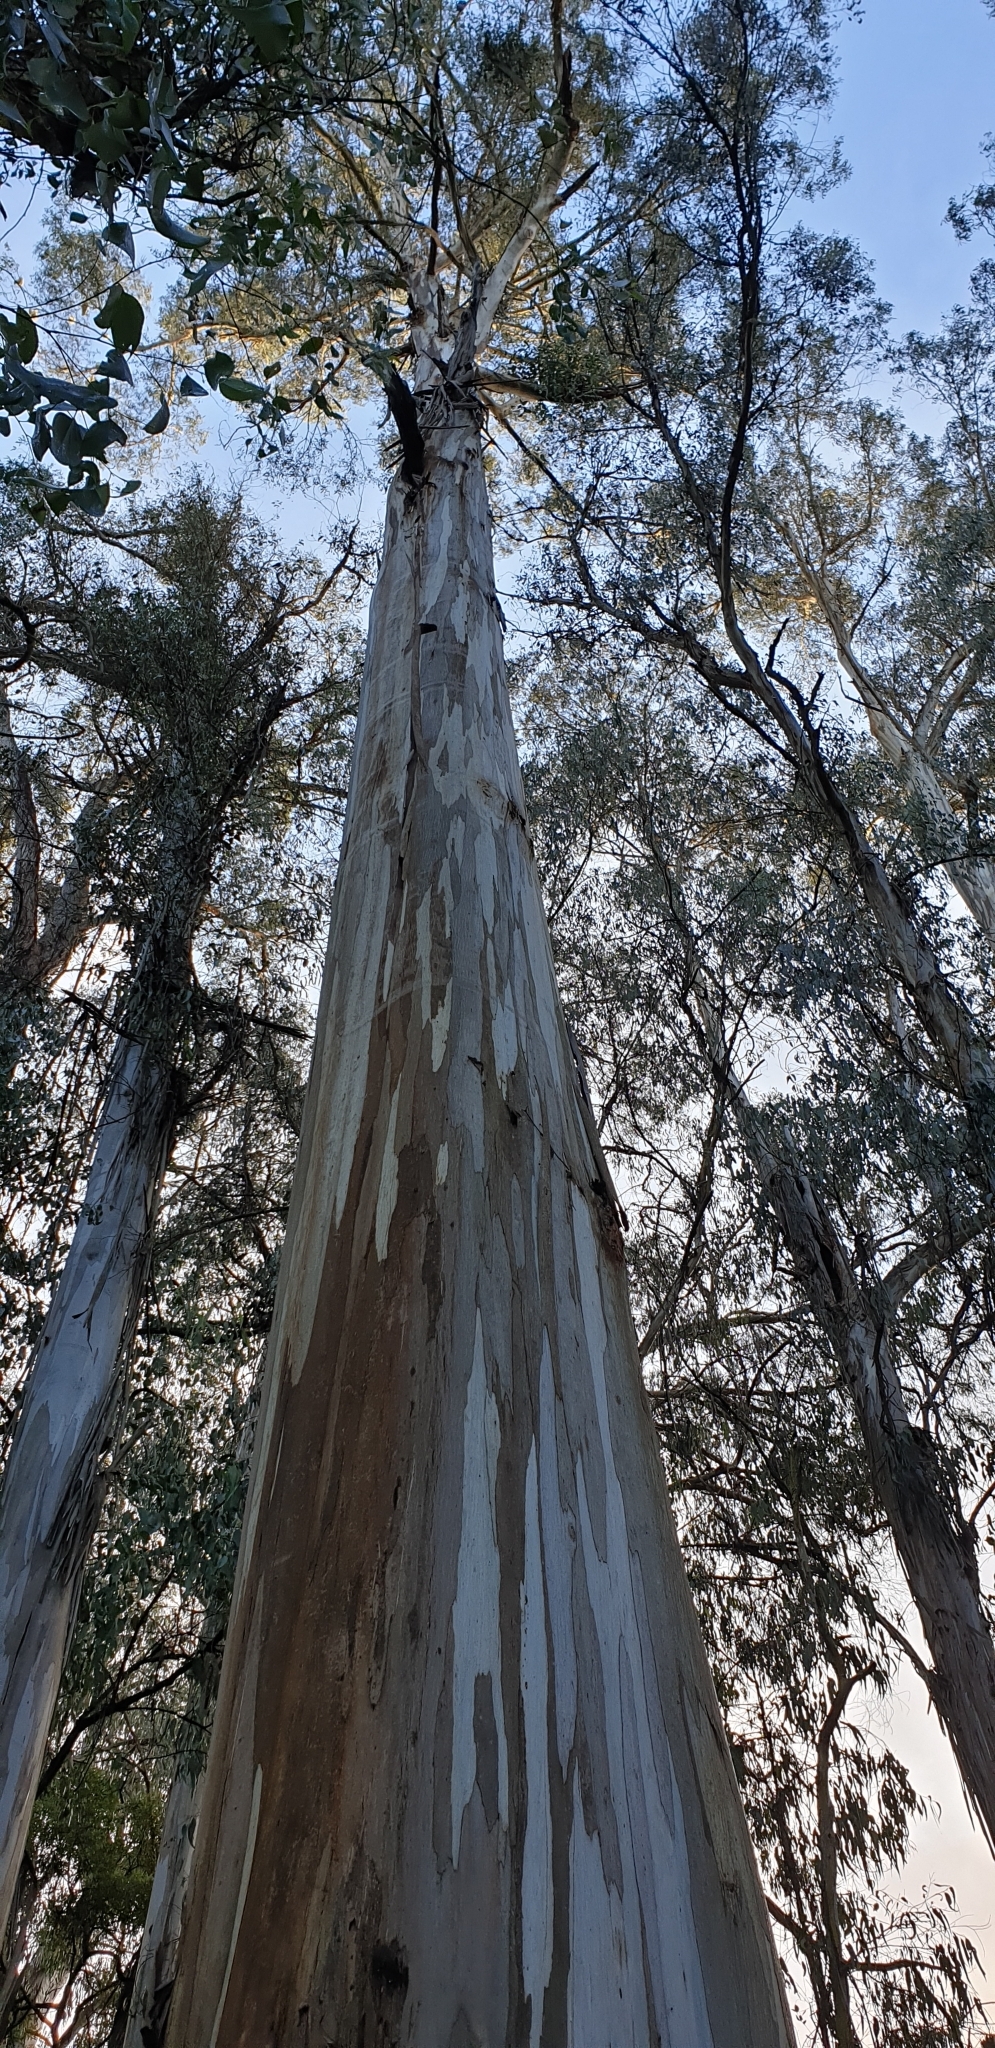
{"x":52,"y":1486}
{"x":935,"y":1546}
{"x":913,"y":750}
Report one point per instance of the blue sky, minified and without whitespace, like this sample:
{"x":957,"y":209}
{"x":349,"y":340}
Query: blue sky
{"x":916,"y":98}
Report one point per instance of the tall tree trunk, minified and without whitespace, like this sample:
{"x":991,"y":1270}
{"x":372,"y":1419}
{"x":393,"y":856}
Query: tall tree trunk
{"x":468,"y":1782}
{"x":912,"y":750}
{"x":52,"y":1486}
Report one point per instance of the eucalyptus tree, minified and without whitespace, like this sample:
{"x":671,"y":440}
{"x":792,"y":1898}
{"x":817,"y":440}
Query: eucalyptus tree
{"x":693,"y":946}
{"x":133,"y":1711}
{"x":192,"y":674}
{"x":676,"y":508}
{"x":467,"y":1777}
{"x":887,"y":544}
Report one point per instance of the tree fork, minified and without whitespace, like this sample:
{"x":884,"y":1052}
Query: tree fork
{"x":468,"y":1782}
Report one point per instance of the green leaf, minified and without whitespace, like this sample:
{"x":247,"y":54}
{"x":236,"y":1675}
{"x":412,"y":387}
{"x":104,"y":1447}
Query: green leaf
{"x":91,"y":498}
{"x":115,"y":365}
{"x":102,"y":435}
{"x":217,"y":366}
{"x":159,"y":421}
{"x":126,"y":17}
{"x":58,"y":89}
{"x":129,"y":110}
{"x":189,"y":388}
{"x":106,"y":141}
{"x":20,"y":333}
{"x":131,"y":21}
{"x":203,"y":276}
{"x":125,"y":317}
{"x":177,"y":231}
{"x":240,"y":390}
{"x":119,"y":234}
{"x":133,"y":484}
{"x":67,"y":441}
{"x":270,"y":27}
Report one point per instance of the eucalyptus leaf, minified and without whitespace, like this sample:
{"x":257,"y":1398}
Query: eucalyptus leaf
{"x":124,"y":315}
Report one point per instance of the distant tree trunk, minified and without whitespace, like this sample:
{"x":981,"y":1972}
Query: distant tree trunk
{"x":912,"y":752}
{"x":52,"y":1487}
{"x":156,"y":1967}
{"x":33,"y":952}
{"x":971,"y":874}
{"x":936,"y":1547}
{"x":468,"y":1782}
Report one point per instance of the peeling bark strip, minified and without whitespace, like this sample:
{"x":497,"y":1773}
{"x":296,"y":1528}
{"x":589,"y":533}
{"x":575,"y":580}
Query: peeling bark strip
{"x":468,"y":1783}
{"x":52,"y":1485}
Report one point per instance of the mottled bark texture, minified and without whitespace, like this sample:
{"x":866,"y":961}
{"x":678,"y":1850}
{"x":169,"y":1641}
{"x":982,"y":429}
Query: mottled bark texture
{"x":468,"y":1783}
{"x":52,"y":1487}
